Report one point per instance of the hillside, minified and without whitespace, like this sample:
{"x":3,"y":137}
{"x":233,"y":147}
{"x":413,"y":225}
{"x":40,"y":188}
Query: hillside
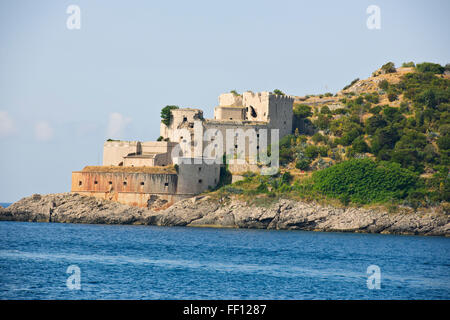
{"x":381,"y":140}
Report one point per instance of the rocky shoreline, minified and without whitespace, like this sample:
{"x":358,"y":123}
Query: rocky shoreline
{"x":203,"y":211}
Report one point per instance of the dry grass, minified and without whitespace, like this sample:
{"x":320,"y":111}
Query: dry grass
{"x":167,"y":169}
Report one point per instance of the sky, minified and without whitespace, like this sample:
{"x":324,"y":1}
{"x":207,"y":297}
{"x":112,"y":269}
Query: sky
{"x":64,"y":91}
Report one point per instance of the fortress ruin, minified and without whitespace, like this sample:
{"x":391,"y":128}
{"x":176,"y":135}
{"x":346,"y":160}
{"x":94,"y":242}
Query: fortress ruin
{"x":147,"y":174}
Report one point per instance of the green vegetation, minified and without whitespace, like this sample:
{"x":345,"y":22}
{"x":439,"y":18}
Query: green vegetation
{"x":388,"y":67}
{"x":408,"y":64}
{"x":351,"y":83}
{"x":430,"y":67}
{"x":365,"y":181}
{"x":279,"y":92}
{"x":166,"y":115}
{"x":388,"y":146}
{"x":302,"y":111}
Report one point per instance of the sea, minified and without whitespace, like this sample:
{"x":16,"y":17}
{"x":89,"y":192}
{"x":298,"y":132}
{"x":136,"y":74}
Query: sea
{"x":80,"y":261}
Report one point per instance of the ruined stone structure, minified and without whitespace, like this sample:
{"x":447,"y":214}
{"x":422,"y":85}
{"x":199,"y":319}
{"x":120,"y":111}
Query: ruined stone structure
{"x":151,"y":174}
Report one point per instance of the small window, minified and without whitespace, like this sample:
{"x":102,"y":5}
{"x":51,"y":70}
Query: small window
{"x":199,"y":168}
{"x":231,"y":118}
{"x":166,"y":184}
{"x":142,"y":183}
{"x":257,"y":135}
{"x":257,"y":147}
{"x":124,"y":183}
{"x":184,"y":118}
{"x":110,"y":182}
{"x":80,"y":183}
{"x":200,"y":181}
{"x":95,"y":182}
{"x":235,"y":146}
{"x":191,"y":125}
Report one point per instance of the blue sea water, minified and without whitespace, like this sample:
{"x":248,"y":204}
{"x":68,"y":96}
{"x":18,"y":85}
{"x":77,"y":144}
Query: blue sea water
{"x":146,"y":262}
{"x":5,"y":204}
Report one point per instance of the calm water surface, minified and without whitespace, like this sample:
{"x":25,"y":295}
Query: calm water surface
{"x":144,"y":262}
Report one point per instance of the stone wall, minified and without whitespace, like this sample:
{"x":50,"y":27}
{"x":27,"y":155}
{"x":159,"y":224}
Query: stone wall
{"x":115,"y":151}
{"x":229,"y":113}
{"x":196,"y":178}
{"x":230,"y":99}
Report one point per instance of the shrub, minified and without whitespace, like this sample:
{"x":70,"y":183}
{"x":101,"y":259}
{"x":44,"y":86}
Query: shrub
{"x":351,"y":83}
{"x":430,"y":67}
{"x":365,"y":181}
{"x":388,"y":68}
{"x":166,"y":114}
{"x":383,"y":84}
{"x":392,"y":96}
{"x":444,"y":142}
{"x":160,"y":138}
{"x":325,"y":110}
{"x":322,"y":122}
{"x":372,"y":97}
{"x":408,"y":64}
{"x":360,"y":146}
{"x":375,"y":110}
{"x":279,"y":92}
{"x":311,"y":151}
{"x":303,"y":164}
{"x":317,"y":137}
{"x":302,"y":111}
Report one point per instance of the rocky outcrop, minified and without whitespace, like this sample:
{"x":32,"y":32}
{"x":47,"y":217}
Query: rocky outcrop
{"x":203,"y":211}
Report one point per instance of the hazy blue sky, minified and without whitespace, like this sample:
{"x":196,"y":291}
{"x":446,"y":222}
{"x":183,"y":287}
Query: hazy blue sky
{"x":63,"y":92}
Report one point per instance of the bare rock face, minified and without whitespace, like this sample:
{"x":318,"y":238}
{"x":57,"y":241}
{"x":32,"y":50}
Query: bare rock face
{"x":203,"y":211}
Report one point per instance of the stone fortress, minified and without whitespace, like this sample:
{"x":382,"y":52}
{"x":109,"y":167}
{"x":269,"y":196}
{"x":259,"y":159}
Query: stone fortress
{"x":147,"y":174}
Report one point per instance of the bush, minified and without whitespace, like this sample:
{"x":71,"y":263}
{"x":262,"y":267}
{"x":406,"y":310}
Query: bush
{"x":317,"y":137}
{"x":392,"y":96}
{"x":325,"y":110}
{"x":166,"y":114}
{"x":279,"y":92}
{"x":444,"y":142}
{"x":351,"y":83}
{"x":360,"y":146}
{"x":408,"y":64}
{"x":383,"y":84}
{"x":311,"y":151}
{"x":365,"y":181}
{"x":372,"y":97}
{"x":303,"y":164}
{"x":430,"y":67}
{"x":302,"y":111}
{"x":322,"y":122}
{"x":160,"y":138}
{"x":388,"y":67}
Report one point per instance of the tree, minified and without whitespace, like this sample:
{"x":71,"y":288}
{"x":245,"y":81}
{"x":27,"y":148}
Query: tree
{"x":383,"y":84}
{"x":388,"y":67}
{"x":166,"y":115}
{"x":303,"y":164}
{"x":408,"y":64}
{"x":430,"y":67}
{"x":302,"y":111}
{"x":365,"y":181}
{"x":279,"y":92}
{"x":392,"y":96}
{"x":360,"y":146}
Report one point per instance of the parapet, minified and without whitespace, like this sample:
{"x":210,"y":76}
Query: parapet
{"x":230,"y":99}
